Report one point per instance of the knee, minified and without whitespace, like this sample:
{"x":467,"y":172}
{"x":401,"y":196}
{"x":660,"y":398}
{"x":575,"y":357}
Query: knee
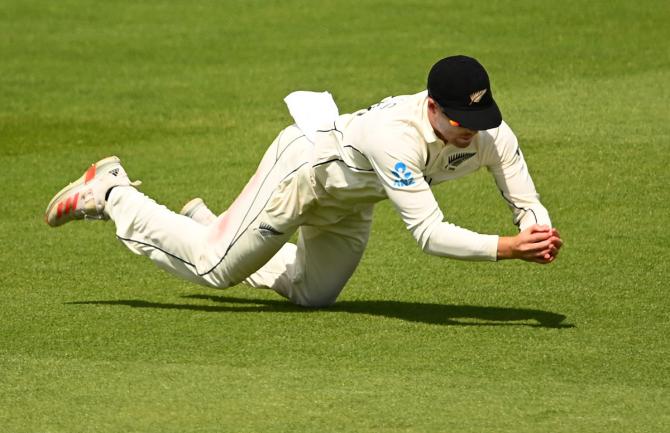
{"x":316,"y":298}
{"x":214,"y":280}
{"x":315,"y":303}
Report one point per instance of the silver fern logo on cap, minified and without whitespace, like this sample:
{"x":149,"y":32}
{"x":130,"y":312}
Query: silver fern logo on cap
{"x":477,"y":96}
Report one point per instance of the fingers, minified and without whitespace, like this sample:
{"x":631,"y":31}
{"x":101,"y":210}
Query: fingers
{"x":535,"y":228}
{"x":557,"y":244}
{"x":536,"y":246}
{"x":556,"y":241}
{"x":550,"y":254}
{"x":537,"y":236}
{"x":552,"y":236}
{"x":544,"y":257}
{"x":542,"y":260}
{"x":539,"y":244}
{"x":540,"y":252}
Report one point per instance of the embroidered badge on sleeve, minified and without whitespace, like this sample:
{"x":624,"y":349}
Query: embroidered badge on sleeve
{"x":402,"y":175}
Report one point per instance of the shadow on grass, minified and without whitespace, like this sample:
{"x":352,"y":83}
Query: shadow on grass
{"x":435,"y":314}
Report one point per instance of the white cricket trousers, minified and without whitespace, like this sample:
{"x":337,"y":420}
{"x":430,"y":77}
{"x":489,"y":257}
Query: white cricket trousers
{"x":249,"y":242}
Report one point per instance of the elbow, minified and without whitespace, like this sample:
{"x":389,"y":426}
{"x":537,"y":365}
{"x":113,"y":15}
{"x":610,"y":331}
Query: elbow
{"x":425,"y":247}
{"x":422,"y":234}
{"x":424,"y":244}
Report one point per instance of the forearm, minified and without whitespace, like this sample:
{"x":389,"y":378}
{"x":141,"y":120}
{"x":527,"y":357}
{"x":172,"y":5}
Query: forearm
{"x":527,"y":213}
{"x":510,"y":171}
{"x":449,"y":240}
{"x":537,"y":243}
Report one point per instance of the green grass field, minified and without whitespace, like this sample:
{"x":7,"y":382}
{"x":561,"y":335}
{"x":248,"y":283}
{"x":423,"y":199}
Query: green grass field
{"x":189,"y":94}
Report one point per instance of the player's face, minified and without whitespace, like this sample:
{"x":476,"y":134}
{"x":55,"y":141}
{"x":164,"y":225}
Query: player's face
{"x":448,"y":130}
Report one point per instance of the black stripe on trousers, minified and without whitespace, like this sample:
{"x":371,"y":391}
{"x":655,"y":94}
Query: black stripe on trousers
{"x":186,"y":262}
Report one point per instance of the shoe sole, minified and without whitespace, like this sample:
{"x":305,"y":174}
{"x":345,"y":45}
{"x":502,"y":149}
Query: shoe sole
{"x":85,"y":178}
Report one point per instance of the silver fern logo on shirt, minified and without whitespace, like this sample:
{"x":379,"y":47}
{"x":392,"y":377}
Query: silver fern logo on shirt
{"x":267,"y":230}
{"x":477,"y":96}
{"x":458,"y":158}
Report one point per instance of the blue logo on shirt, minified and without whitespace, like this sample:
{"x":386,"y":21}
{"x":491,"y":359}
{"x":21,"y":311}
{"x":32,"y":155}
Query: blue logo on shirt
{"x":402,"y":175}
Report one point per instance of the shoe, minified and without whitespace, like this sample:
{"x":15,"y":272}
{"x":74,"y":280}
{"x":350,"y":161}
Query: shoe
{"x":85,"y":197}
{"x":197,"y":210}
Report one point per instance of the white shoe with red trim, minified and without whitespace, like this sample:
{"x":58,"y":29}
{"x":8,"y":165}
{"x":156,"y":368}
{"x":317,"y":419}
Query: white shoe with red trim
{"x":197,"y":210}
{"x":85,"y":197}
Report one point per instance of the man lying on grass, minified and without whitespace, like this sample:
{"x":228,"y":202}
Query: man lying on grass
{"x":322,"y":177}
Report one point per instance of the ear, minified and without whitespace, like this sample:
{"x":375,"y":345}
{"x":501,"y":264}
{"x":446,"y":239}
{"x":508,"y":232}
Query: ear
{"x":432,"y":105}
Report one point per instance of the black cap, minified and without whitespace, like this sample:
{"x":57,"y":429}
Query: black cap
{"x":460,"y":85}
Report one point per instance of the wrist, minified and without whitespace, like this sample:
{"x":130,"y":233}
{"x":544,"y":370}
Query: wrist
{"x":505,"y":248}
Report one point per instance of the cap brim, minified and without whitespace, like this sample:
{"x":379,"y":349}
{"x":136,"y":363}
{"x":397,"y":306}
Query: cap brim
{"x":479,"y":120}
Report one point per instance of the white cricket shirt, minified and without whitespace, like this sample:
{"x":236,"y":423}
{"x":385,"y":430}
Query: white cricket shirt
{"x":390,"y":150}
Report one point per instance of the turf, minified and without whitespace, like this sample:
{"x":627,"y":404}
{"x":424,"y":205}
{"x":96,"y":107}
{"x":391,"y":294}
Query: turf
{"x":94,"y":339}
